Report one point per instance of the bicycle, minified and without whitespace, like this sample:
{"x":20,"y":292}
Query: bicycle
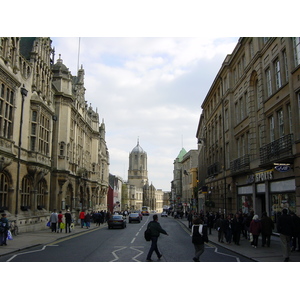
{"x":13,"y":228}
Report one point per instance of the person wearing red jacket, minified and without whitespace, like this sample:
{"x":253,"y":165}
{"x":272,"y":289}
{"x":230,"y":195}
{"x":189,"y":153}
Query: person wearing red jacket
{"x":81,"y":217}
{"x":255,"y":229}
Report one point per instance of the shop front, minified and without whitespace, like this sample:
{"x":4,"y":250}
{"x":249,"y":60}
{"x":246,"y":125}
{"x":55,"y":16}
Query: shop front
{"x":282,"y":195}
{"x":267,"y":191}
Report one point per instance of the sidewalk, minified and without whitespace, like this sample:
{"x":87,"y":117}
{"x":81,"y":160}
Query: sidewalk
{"x":32,"y":239}
{"x":259,"y":254}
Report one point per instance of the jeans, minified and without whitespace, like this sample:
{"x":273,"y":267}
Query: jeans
{"x":68,"y":226}
{"x":82,"y":222}
{"x":53,"y":227}
{"x":3,"y":237}
{"x":153,"y":248}
{"x":266,"y":239}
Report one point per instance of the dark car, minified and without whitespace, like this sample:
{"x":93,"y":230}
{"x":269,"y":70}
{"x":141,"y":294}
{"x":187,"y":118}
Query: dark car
{"x":134,"y":217}
{"x":116,"y":221}
{"x":140,"y":213}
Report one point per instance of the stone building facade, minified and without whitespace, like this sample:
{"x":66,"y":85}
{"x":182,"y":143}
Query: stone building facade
{"x":53,"y":153}
{"x":248,"y":131}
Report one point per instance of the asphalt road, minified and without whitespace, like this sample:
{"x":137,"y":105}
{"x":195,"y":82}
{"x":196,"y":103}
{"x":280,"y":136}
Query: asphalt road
{"x":124,"y":245}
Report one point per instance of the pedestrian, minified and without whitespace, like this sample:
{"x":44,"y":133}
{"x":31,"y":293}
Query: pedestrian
{"x":220,"y":226}
{"x":267,"y":227}
{"x":81,"y":217}
{"x":155,"y":229}
{"x":59,"y":222}
{"x":190,"y":219}
{"x":296,"y":232}
{"x":285,"y":228}
{"x":68,"y":218}
{"x":210,"y":221}
{"x":4,"y":227}
{"x":199,"y":237}
{"x":255,"y":229}
{"x":228,"y":229}
{"x":237,"y":226}
{"x":87,"y":220}
{"x":53,"y":220}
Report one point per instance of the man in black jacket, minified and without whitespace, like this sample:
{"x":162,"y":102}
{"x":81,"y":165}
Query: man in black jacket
{"x":285,"y":228}
{"x":155,"y":229}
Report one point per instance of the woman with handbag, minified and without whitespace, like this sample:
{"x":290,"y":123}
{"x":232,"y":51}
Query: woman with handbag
{"x":255,"y":229}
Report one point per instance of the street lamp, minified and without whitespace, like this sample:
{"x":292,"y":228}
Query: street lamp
{"x":24,"y":93}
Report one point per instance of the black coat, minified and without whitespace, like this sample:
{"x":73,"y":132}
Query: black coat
{"x":285,"y":225}
{"x":197,"y":238}
{"x":267,"y":225}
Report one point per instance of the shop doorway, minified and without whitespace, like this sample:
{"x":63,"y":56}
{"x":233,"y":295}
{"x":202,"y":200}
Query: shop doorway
{"x":260,"y":204}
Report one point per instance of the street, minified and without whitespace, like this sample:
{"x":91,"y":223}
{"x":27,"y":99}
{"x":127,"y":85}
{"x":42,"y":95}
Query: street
{"x":123,"y":245}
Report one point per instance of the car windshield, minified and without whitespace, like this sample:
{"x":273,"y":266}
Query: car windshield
{"x":117,"y":217}
{"x":134,"y":215}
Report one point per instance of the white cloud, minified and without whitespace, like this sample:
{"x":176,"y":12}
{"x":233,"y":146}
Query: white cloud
{"x":151,"y":88}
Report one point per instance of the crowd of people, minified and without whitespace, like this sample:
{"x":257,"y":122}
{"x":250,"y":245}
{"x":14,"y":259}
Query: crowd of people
{"x":250,"y":226}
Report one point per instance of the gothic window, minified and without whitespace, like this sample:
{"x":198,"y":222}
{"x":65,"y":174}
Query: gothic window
{"x":25,"y":192}
{"x":6,"y":111}
{"x":41,"y":192}
{"x":62,"y":148}
{"x":33,"y":135}
{"x":3,"y":192}
{"x":44,"y":134}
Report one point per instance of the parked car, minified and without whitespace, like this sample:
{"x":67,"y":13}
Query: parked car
{"x":134,"y":217}
{"x":164,"y":214}
{"x":116,"y":221}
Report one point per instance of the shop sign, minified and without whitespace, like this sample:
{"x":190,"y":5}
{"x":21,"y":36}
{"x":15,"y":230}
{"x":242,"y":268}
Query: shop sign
{"x":282,"y":168}
{"x":263,"y":176}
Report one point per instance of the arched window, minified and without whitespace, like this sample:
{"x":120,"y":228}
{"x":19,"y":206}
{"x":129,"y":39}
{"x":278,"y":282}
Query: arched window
{"x":25,"y":192}
{"x":41,"y":194}
{"x":3,"y":192}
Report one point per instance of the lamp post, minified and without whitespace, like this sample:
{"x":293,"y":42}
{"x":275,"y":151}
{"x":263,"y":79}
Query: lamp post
{"x":24,"y":93}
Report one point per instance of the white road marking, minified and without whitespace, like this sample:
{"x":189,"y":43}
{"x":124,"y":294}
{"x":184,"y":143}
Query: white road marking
{"x":115,"y":255}
{"x":44,"y":247}
{"x":140,"y":253}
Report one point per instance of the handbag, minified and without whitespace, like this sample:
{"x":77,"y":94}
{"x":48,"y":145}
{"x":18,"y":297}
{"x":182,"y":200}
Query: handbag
{"x":251,"y":237}
{"x":62,"y":225}
{"x":9,"y":235}
{"x":48,"y":224}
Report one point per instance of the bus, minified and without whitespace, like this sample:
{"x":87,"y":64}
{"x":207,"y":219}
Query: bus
{"x":145,"y":210}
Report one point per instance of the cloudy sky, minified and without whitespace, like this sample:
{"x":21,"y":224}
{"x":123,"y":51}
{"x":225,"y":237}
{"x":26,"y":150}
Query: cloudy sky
{"x":146,"y":88}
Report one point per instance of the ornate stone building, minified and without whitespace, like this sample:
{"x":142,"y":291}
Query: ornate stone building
{"x":53,"y":153}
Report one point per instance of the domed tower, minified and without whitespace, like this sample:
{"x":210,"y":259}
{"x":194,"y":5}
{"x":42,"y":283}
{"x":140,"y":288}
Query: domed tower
{"x":137,"y":172}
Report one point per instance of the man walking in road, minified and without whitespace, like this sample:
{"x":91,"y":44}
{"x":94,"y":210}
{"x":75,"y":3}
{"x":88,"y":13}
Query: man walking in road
{"x":155,"y":229}
{"x":285,"y":228}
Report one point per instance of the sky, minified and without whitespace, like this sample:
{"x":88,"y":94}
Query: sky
{"x":146,"y":89}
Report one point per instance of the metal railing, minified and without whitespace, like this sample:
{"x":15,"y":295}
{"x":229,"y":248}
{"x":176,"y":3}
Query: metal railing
{"x":240,"y":164}
{"x":278,"y":149}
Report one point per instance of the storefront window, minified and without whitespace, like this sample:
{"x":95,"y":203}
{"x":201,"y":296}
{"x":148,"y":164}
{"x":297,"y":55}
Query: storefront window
{"x":245,"y":204}
{"x":281,"y":201}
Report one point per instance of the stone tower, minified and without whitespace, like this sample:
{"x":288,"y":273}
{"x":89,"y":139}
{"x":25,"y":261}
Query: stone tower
{"x":137,"y":172}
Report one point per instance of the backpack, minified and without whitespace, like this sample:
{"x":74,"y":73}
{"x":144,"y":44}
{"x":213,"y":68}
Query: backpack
{"x":147,"y":235}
